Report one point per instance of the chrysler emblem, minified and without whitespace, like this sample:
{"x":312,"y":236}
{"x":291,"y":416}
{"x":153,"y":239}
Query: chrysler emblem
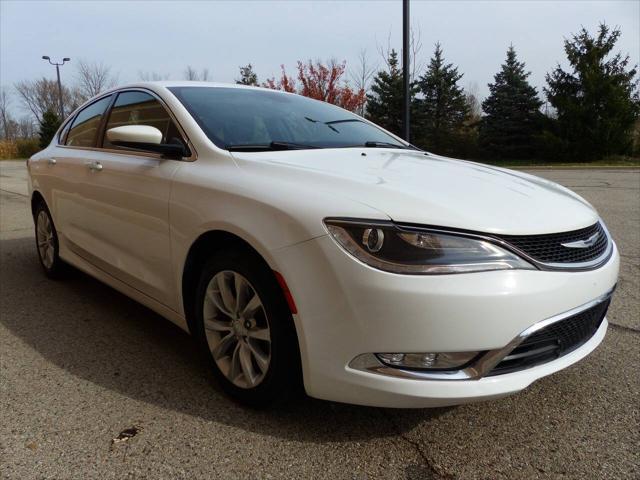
{"x":589,"y":242}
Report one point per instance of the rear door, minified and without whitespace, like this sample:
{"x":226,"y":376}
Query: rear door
{"x":67,"y":185}
{"x":126,"y":213}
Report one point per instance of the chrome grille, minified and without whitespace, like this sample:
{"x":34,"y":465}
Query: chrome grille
{"x":554,"y":341}
{"x":549,"y":248}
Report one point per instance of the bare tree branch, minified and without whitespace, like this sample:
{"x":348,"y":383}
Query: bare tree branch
{"x":5,"y":115}
{"x":38,"y":96}
{"x":385,"y":51}
{"x":152,"y":76}
{"x":191,"y":73}
{"x":363,"y":72}
{"x":472,"y":94}
{"x":361,"y":76}
{"x":415,"y":47}
{"x":94,"y":78}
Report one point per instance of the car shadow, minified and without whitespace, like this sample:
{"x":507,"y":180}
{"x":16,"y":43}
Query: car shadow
{"x":99,"y":335}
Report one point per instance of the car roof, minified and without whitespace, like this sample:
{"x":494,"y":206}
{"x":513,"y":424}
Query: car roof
{"x":154,"y":85}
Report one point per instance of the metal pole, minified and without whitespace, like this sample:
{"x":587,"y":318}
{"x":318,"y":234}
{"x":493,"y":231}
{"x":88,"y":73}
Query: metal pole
{"x":405,"y":70}
{"x":60,"y":93}
{"x":60,"y":102}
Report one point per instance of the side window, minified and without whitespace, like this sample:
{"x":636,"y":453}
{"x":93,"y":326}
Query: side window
{"x":139,"y":108}
{"x":63,"y":133}
{"x":85,"y":126}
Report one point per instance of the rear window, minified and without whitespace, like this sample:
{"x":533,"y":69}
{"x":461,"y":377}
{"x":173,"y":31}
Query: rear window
{"x":84,"y":129}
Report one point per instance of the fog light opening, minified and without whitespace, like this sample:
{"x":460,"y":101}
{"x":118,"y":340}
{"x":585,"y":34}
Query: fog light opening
{"x":427,"y":360}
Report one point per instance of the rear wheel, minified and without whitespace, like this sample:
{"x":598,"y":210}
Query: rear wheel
{"x":246,"y":330}
{"x":47,"y":242}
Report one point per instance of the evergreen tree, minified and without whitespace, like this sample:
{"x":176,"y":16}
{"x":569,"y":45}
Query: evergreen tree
{"x":247,"y":76}
{"x":385,"y":103}
{"x":597,"y":102}
{"x":512,"y":109}
{"x":48,"y":127}
{"x":443,"y":108}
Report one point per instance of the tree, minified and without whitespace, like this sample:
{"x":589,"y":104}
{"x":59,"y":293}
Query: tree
{"x":362,"y":75}
{"x":473,"y":103}
{"x":385,"y":102}
{"x":152,"y":76}
{"x":415,"y":47}
{"x":442,"y":111}
{"x":25,"y":127}
{"x":284,"y":83}
{"x":247,"y":76}
{"x":94,"y":78}
{"x":597,"y":101}
{"x":41,"y":95}
{"x":512,"y":109}
{"x":323,"y":82}
{"x":48,"y":127}
{"x":191,"y":73}
{"x":6,"y":122}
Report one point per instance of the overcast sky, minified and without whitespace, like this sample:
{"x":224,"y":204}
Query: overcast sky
{"x":165,"y":37}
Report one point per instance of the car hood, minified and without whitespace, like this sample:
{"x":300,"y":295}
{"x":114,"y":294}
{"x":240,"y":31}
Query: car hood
{"x":422,"y":188}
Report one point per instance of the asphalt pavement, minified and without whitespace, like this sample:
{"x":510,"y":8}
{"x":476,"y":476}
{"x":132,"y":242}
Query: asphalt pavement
{"x":93,"y":385}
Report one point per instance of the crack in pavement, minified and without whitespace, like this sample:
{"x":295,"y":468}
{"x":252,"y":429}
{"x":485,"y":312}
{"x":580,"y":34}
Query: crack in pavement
{"x":624,"y":328}
{"x":417,"y":447}
{"x":13,"y":193}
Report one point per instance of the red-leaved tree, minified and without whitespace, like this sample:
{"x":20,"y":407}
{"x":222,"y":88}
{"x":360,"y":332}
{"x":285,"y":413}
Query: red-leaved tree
{"x":321,"y":82}
{"x":284,"y":83}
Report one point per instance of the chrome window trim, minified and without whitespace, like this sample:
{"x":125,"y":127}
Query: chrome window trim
{"x":368,"y":362}
{"x":192,"y":158}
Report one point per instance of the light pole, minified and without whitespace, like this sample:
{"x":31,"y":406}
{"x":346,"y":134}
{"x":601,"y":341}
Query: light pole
{"x":58,"y":65}
{"x":406,"y":27}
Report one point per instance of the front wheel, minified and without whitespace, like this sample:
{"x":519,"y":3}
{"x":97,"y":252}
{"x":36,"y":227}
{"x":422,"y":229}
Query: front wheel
{"x":246,"y":329}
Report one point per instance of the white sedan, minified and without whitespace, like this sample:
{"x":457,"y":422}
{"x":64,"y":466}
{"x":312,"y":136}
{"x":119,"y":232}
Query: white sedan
{"x":303,"y":245}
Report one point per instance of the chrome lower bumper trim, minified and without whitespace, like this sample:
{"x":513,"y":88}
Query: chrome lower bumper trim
{"x":368,"y":362}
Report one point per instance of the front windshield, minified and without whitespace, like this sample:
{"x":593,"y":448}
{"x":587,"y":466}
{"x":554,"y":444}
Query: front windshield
{"x":256,"y":120}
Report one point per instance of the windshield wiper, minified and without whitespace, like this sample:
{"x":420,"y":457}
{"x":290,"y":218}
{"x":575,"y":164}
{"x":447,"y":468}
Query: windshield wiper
{"x":273,"y":146}
{"x":374,"y":144}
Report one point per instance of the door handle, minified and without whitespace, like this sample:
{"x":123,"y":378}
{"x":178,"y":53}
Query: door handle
{"x":52,"y":161}
{"x":94,"y":166}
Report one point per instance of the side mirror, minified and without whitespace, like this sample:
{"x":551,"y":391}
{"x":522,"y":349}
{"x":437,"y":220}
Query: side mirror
{"x":144,"y":138}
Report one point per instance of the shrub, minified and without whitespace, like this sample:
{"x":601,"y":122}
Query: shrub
{"x":8,"y":149}
{"x":25,"y":147}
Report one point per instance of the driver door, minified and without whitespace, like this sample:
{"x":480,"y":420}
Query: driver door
{"x":127,"y":209}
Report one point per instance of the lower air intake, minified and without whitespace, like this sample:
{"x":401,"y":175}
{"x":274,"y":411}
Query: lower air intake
{"x":553,"y":341}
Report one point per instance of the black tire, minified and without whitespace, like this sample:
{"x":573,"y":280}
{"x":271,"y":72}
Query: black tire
{"x":282,"y":380}
{"x":53,"y":266}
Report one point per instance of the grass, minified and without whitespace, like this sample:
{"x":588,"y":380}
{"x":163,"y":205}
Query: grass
{"x":613,"y":161}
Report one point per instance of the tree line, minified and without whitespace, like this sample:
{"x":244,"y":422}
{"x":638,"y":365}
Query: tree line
{"x":592,"y":112}
{"x":592,"y":109}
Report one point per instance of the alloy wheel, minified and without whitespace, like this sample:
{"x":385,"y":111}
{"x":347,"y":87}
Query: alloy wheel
{"x":45,"y":239}
{"x":237,"y":329}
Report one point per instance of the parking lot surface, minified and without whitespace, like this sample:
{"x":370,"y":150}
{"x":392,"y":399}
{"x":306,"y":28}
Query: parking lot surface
{"x":93,"y":385}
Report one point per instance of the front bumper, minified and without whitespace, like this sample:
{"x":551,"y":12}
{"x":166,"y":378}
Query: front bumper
{"x":347,"y":309}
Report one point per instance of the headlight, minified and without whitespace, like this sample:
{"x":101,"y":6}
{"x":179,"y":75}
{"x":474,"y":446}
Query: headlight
{"x":387,"y":247}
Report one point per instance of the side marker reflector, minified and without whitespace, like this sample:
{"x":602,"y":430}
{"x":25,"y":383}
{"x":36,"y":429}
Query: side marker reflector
{"x":287,"y":293}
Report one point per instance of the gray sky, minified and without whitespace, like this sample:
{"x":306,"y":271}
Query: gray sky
{"x":165,"y":37}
